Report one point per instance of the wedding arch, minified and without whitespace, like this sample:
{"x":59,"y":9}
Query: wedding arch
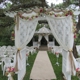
{"x":61,"y":25}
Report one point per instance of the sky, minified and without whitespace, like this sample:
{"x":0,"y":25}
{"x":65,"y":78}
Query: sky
{"x":54,"y":1}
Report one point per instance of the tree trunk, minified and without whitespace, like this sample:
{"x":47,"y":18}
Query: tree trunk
{"x":79,"y":4}
{"x":78,"y":24}
{"x":75,"y":51}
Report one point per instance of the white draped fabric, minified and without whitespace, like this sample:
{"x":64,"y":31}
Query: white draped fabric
{"x":22,"y":64}
{"x":25,"y":32}
{"x":62,"y":30}
{"x":43,"y":30}
{"x":46,"y":37}
{"x":39,"y":39}
{"x":23,"y":35}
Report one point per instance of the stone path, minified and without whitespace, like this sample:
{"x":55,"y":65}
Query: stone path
{"x":42,"y":68}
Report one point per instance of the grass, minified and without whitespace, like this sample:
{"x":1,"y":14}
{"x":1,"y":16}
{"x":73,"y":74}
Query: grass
{"x":29,"y":68}
{"x":58,"y":69}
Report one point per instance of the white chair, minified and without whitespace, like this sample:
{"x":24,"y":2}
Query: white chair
{"x":78,"y":49}
{"x":14,"y":50}
{"x":77,"y":62}
{"x":3,"y":52}
{"x":1,"y":63}
{"x":2,"y":55}
{"x":32,"y":50}
{"x":27,"y":55}
{"x":11,"y":50}
{"x":52,"y":49}
{"x":8,"y":63}
{"x":3,"y":47}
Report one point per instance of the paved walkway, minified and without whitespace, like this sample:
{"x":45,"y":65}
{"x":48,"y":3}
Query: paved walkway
{"x":42,"y":68}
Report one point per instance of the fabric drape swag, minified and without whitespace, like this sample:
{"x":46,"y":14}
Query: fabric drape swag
{"x":39,"y":39}
{"x":47,"y":39}
{"x":23,"y":35}
{"x":62,"y":30}
{"x":25,"y":32}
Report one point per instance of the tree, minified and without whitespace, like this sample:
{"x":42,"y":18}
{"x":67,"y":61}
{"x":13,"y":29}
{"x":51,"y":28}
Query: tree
{"x":52,"y":5}
{"x":79,"y":3}
{"x":1,"y":1}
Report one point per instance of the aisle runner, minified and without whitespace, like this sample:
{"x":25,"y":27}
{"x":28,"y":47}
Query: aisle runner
{"x":42,"y":68}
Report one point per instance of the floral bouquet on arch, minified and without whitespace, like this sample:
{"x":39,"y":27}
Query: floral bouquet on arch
{"x":10,"y":72}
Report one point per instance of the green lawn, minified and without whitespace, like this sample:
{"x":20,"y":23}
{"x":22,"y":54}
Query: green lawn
{"x":57,"y":69}
{"x":29,"y":68}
